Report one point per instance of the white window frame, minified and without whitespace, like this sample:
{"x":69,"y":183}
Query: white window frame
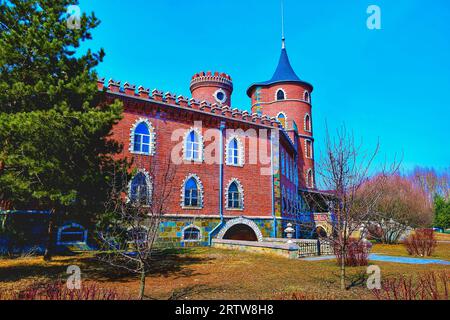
{"x":285,"y":119}
{"x":311,"y":154}
{"x":240,"y":191}
{"x":84,"y":234}
{"x":200,"y":192}
{"x":191,"y":226}
{"x":199,"y":144}
{"x":149,"y":183}
{"x":152,"y":137}
{"x":307,"y":96}
{"x":284,"y":93}
{"x":305,"y":122}
{"x":240,"y":150}
{"x":310,"y":184}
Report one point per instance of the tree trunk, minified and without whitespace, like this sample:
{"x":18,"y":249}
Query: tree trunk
{"x":343,"y":269}
{"x":50,"y":239}
{"x":142,"y":283}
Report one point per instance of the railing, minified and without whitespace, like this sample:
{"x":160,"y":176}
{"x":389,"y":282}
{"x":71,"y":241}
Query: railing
{"x":309,"y":248}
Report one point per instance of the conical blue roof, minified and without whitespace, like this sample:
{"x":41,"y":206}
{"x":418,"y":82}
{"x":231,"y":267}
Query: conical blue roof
{"x":283,"y":73}
{"x":284,"y":70}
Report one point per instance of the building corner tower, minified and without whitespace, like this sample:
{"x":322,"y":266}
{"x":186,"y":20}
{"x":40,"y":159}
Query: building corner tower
{"x":288,"y":98}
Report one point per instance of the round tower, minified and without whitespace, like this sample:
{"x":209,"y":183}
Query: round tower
{"x":213,"y":88}
{"x":288,"y":98}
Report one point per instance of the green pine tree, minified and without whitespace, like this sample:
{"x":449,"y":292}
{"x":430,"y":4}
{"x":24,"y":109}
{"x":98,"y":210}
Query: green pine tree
{"x":55,"y":151}
{"x":442,"y":212}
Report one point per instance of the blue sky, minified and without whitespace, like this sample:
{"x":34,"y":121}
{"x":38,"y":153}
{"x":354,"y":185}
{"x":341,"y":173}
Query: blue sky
{"x":391,"y":85}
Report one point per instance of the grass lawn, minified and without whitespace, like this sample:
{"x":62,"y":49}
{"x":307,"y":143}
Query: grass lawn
{"x":442,"y":236}
{"x":207,"y":273}
{"x":442,"y":251}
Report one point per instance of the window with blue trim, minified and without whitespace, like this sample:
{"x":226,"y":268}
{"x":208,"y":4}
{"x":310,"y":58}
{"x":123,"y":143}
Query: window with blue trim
{"x":234,"y":197}
{"x":140,"y":189}
{"x":282,"y":119}
{"x":233,"y":152}
{"x":193,"y":151}
{"x":142,"y":139}
{"x":191,"y":234}
{"x":191,"y":193}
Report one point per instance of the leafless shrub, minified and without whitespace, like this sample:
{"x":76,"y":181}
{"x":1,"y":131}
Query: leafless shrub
{"x":356,"y":255}
{"x":58,"y":291}
{"x":421,"y":243}
{"x":428,"y":286}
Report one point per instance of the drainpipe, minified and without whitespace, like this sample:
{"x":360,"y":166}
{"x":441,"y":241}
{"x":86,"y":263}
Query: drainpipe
{"x":222,"y":129}
{"x":274,"y":228}
{"x":210,"y":235}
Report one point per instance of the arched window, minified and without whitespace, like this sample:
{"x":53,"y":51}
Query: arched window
{"x":192,"y":233}
{"x":282,"y":119}
{"x":309,"y":179}
{"x":235,"y":197}
{"x":306,"y":96}
{"x":191,"y":193}
{"x":308,"y":147}
{"x":193,"y":146}
{"x":142,"y":138}
{"x":234,"y":152}
{"x":71,"y":234}
{"x":138,"y":236}
{"x":140,"y":189}
{"x":307,"y":123}
{"x":281,"y":95}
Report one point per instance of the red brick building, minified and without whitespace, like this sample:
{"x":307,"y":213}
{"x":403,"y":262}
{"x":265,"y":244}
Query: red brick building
{"x":239,"y":175}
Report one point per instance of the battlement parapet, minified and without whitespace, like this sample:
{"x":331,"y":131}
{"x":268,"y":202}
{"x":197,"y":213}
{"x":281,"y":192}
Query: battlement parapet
{"x":188,"y":103}
{"x":100,"y":84}
{"x":113,"y":86}
{"x":130,"y":90}
{"x":207,"y":78}
{"x":143,"y":92}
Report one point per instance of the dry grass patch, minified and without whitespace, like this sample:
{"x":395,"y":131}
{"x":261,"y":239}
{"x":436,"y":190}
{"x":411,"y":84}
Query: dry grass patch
{"x":208,"y":273}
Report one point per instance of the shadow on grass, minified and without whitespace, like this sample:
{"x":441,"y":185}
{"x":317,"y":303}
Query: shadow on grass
{"x":193,"y":292}
{"x":166,"y":263}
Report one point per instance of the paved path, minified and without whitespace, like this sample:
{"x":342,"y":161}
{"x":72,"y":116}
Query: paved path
{"x":396,"y":259}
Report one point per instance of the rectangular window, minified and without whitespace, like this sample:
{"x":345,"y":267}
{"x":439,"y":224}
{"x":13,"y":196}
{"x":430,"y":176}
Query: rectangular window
{"x":137,"y":143}
{"x":234,"y":202}
{"x":308,"y":149}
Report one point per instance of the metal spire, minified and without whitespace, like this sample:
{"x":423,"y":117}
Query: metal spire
{"x":283,"y":39}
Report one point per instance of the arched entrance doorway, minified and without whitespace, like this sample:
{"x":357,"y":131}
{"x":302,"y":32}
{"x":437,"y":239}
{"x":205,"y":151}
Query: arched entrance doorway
{"x":240,"y":232}
{"x":319,"y":232}
{"x":240,"y":229}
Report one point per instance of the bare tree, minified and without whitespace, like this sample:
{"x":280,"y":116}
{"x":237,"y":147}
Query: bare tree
{"x":133,"y":216}
{"x":401,"y":205}
{"x":343,"y":170}
{"x":432,"y":182}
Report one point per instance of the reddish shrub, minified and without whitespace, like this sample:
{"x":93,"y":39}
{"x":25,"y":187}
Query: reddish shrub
{"x":428,"y":286}
{"x":421,"y":243}
{"x":59,"y":291}
{"x":357,"y":253}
